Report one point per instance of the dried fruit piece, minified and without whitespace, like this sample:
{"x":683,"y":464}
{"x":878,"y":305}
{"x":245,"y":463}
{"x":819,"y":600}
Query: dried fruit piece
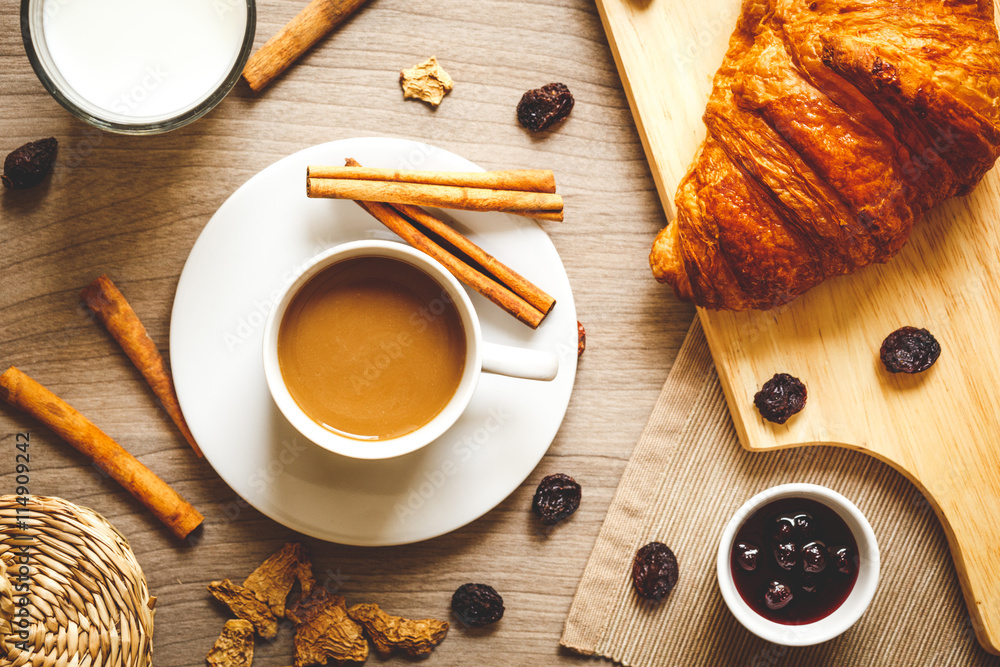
{"x":804,"y":526}
{"x":746,"y":556}
{"x":780,"y":398}
{"x":234,"y":647}
{"x":784,"y":529}
{"x":787,"y":555}
{"x":477,"y":604}
{"x":261,"y":598}
{"x":387,"y":632}
{"x":323,"y":630}
{"x":778,"y":595}
{"x":814,"y":557}
{"x":556,"y":498}
{"x":909,"y":350}
{"x":654,"y":571}
{"x":246,"y":605}
{"x":581,"y":335}
{"x":542,"y":107}
{"x":27,"y":166}
{"x":273,"y":580}
{"x":426,"y":81}
{"x":845,"y":560}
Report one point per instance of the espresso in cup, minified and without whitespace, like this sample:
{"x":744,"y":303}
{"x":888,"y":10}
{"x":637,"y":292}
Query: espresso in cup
{"x":371,"y":348}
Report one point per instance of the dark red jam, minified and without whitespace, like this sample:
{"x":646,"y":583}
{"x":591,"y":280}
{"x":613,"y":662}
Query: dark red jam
{"x":794,"y":561}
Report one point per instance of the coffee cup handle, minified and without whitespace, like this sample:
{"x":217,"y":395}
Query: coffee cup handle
{"x":519,"y":362}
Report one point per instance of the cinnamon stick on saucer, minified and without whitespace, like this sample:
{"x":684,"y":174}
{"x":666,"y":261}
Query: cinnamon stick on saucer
{"x":169,"y":507}
{"x":115,"y":313}
{"x":527,"y":180}
{"x":491,"y":289}
{"x":441,"y":196}
{"x":505,"y":287}
{"x":517,"y":283}
{"x":317,"y":19}
{"x":525,"y":192}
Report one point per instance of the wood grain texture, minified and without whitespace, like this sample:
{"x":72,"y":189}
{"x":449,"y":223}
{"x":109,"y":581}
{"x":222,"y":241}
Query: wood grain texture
{"x":132,"y":207}
{"x":940,"y":429}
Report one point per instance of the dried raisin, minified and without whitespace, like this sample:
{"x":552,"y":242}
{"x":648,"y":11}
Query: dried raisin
{"x":25,"y":167}
{"x":654,"y":571}
{"x":778,"y":595}
{"x":787,"y":555}
{"x":814,"y":557}
{"x":556,"y":498}
{"x":909,"y":350}
{"x":845,"y":560}
{"x":746,"y":556}
{"x":477,"y":604}
{"x":542,"y":107}
{"x":581,"y":339}
{"x":780,"y":398}
{"x":805,"y":526}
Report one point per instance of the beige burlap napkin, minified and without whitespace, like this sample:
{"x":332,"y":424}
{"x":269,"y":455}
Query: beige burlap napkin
{"x":686,"y":478}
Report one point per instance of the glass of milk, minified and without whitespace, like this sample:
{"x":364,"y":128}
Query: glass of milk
{"x":138,"y":66}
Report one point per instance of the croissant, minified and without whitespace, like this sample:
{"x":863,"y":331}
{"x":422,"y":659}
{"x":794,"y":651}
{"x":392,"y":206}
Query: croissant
{"x":833,"y":126}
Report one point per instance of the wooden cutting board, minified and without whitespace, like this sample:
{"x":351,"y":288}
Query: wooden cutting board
{"x":941,"y":428}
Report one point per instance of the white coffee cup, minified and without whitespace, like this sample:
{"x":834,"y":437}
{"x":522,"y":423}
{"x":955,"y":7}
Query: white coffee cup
{"x":480,"y":356}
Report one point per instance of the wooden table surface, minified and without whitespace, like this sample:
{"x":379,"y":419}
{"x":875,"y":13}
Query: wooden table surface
{"x":132,"y":207}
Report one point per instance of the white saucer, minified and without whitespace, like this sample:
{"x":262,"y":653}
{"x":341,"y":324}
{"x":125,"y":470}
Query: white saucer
{"x":255,"y":244}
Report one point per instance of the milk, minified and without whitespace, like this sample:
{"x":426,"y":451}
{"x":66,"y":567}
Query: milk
{"x":144,"y":59}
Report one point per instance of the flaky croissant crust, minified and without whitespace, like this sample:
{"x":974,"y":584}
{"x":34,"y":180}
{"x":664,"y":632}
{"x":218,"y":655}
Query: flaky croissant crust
{"x":833,"y":126}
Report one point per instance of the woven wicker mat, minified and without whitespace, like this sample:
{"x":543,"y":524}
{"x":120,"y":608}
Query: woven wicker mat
{"x":687,"y":476}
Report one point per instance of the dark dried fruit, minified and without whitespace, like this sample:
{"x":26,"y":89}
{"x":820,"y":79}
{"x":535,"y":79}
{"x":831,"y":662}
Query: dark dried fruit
{"x":909,"y":350}
{"x":814,"y":557}
{"x":542,"y":107}
{"x":780,"y":398}
{"x":477,"y":604}
{"x":25,"y":167}
{"x":804,"y":526}
{"x":809,"y":583}
{"x":784,"y":529}
{"x":777,"y":595}
{"x":787,"y":555}
{"x":845,"y":560}
{"x":556,"y":498}
{"x":746,"y":556}
{"x":581,"y":336}
{"x":654,"y":571}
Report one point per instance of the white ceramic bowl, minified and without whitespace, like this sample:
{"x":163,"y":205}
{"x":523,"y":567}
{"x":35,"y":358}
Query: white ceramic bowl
{"x":844,"y":616}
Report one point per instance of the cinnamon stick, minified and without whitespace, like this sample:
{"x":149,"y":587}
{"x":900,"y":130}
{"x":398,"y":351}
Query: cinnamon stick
{"x":475,"y":279}
{"x":441,"y":196}
{"x":115,"y":313}
{"x":555,"y":216}
{"x":317,"y":19}
{"x":169,"y":507}
{"x":506,"y":275}
{"x":525,"y":180}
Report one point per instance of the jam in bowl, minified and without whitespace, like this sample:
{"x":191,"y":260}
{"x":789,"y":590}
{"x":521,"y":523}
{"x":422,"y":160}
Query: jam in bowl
{"x":798,"y":564}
